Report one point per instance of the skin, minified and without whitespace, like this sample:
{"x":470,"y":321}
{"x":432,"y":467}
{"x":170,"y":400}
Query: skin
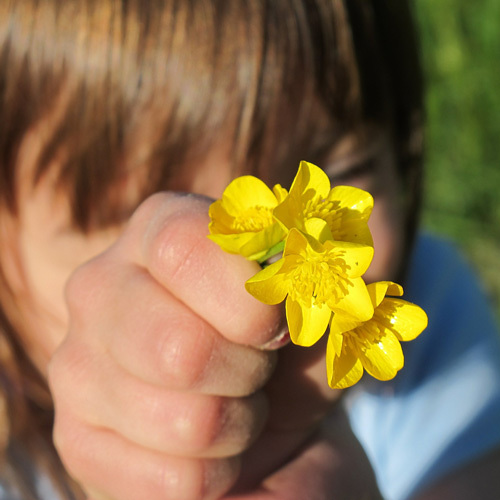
{"x":169,"y":368}
{"x":154,"y":351}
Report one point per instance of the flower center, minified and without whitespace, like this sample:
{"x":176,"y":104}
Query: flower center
{"x":320,"y":279}
{"x":364,"y":336}
{"x":253,"y":219}
{"x":324,"y":209}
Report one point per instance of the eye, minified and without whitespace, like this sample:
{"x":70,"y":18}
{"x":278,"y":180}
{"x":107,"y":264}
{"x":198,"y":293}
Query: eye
{"x":361,"y":162}
{"x":356,"y":171}
{"x":362,"y":174}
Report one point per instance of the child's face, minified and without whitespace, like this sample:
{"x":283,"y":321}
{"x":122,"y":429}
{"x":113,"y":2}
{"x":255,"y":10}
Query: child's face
{"x":42,"y":249}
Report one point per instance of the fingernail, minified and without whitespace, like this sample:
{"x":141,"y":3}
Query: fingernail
{"x":279,"y":341}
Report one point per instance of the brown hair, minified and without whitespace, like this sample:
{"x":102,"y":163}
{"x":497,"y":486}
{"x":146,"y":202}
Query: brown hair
{"x":145,"y":88}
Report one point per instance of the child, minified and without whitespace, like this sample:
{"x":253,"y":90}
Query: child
{"x":168,"y":380}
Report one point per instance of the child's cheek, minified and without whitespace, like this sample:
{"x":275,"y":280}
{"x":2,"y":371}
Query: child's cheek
{"x":387,"y":230}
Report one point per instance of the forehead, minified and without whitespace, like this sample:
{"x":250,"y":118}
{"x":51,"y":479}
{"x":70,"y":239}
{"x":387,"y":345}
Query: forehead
{"x":171,"y":109}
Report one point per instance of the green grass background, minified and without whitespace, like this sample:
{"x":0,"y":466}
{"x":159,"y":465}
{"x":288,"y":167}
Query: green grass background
{"x":460,"y":42}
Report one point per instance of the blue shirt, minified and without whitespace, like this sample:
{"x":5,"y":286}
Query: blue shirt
{"x":443,"y":409}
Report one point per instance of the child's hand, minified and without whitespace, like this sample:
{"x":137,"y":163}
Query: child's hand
{"x":158,"y":384}
{"x":155,"y":388}
{"x":331,"y":465}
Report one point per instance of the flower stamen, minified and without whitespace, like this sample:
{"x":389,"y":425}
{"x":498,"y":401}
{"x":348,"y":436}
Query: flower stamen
{"x":319,"y":279}
{"x":253,"y":219}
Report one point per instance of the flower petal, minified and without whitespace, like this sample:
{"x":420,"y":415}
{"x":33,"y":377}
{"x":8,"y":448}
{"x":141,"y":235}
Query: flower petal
{"x":268,"y":285}
{"x":246,"y":192}
{"x":250,"y":245}
{"x":357,"y":257}
{"x":306,"y":324}
{"x":342,"y":322}
{"x":356,"y":304}
{"x":380,"y":289}
{"x":384,"y":358}
{"x":353,"y":231}
{"x":295,"y":243}
{"x":358,"y":201}
{"x":232,"y":243}
{"x":221,"y":222}
{"x":336,"y":341}
{"x":311,"y":177}
{"x":256,"y":247}
{"x":309,"y":183}
{"x":351,"y":208}
{"x":404,"y":319}
{"x":318,"y":229}
{"x":280,"y":192}
{"x":342,"y":371}
{"x":242,"y":222}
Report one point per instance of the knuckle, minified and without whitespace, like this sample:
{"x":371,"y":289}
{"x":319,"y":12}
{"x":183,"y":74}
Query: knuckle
{"x":240,"y":422}
{"x":170,"y":225}
{"x":199,"y":426}
{"x":71,"y":368}
{"x":184,"y":351}
{"x":182,"y":479}
{"x":176,"y":246}
{"x":151,"y":206}
{"x":71,"y":443}
{"x":199,"y":479}
{"x":213,"y":426}
{"x":83,"y":290}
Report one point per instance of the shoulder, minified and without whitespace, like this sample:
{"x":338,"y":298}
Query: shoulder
{"x":461,"y":319}
{"x":443,"y":408}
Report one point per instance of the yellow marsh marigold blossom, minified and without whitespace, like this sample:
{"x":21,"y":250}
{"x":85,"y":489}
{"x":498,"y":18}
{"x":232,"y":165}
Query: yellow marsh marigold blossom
{"x":373,"y":345}
{"x":345,"y":209}
{"x":242,"y":221}
{"x":316,"y":279}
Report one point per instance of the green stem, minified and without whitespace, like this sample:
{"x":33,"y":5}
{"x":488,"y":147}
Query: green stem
{"x":275,"y":250}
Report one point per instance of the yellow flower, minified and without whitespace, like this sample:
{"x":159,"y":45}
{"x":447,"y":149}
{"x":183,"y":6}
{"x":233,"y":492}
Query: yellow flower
{"x":316,"y":279}
{"x":373,"y":345}
{"x":327,"y":248}
{"x":242,"y":221}
{"x":345,"y":209}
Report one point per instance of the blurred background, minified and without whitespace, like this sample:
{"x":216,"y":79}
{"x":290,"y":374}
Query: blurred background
{"x":461,"y":57}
